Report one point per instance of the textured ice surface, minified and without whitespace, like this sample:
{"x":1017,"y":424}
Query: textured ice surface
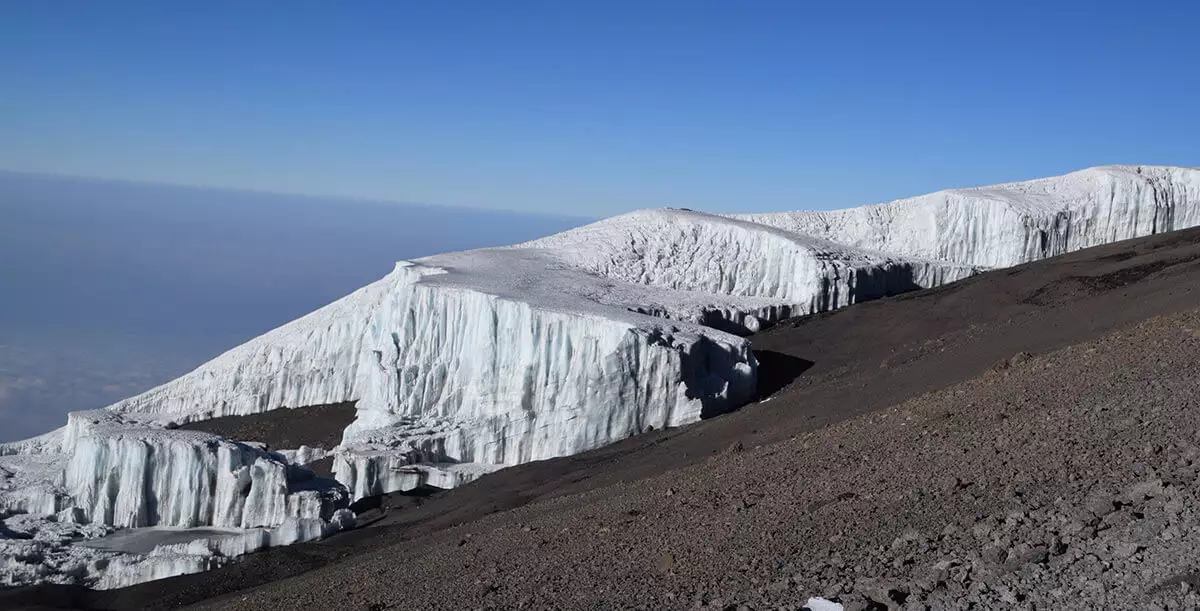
{"x":32,"y":483}
{"x":112,"y":470}
{"x":125,"y":473}
{"x":371,"y":471}
{"x":36,"y":548}
{"x":501,"y":356}
{"x":303,"y":455}
{"x":462,"y":363}
{"x":1013,"y":223}
{"x":45,"y":549}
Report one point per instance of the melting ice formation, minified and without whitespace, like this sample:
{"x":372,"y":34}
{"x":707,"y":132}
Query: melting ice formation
{"x":106,"y":470}
{"x":465,"y":362}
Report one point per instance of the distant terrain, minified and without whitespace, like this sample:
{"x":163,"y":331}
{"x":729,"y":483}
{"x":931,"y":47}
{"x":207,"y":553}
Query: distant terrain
{"x":111,"y":288}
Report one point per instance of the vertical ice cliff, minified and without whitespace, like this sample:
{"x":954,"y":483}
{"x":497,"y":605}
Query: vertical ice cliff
{"x":1013,"y":223}
{"x":110,"y":470}
{"x":124,"y":473}
{"x":462,"y":363}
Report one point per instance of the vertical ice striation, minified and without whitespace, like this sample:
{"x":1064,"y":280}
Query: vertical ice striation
{"x":690,"y":251}
{"x":124,"y":473}
{"x":113,"y":470}
{"x":1013,"y":223}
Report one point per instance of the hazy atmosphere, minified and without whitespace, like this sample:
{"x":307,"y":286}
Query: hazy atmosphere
{"x":113,"y":287}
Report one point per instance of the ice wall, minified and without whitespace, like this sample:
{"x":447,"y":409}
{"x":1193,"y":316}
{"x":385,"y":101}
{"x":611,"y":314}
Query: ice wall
{"x":112,"y":470}
{"x":369,"y":472}
{"x":689,"y":251}
{"x":124,"y":473}
{"x":520,"y":383}
{"x":1009,"y":224}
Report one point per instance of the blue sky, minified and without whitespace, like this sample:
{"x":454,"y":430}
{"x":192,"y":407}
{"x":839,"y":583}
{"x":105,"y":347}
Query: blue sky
{"x":596,"y":108}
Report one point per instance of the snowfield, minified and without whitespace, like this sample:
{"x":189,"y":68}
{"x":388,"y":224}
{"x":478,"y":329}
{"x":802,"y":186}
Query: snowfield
{"x":466,"y":362}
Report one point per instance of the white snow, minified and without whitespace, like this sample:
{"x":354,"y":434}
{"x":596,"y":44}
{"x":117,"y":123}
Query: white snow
{"x":1009,"y":224}
{"x":43,"y":549}
{"x":125,"y":473}
{"x":466,"y":362}
{"x":32,"y":483}
{"x":303,"y":455}
{"x":817,"y":603}
{"x":113,"y":470}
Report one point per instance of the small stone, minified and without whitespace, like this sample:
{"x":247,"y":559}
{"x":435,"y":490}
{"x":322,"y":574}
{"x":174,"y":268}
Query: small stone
{"x":1144,"y":490}
{"x":951,"y":483}
{"x":666,"y":562}
{"x":981,"y":530}
{"x":993,"y":554}
{"x":1038,"y":554}
{"x":1019,"y":358}
{"x":1100,"y":505}
{"x":1125,"y":549}
{"x":1173,"y":507}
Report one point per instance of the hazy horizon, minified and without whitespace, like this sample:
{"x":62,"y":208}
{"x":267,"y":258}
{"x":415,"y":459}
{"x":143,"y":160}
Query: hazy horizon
{"x":113,"y":287}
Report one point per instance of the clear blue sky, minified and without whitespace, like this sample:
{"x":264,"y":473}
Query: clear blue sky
{"x":595,"y":108}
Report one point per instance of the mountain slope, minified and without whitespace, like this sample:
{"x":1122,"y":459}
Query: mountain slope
{"x":944,"y":402}
{"x":463,"y":363}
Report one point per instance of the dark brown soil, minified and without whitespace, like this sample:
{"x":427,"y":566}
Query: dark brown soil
{"x":937,"y":412}
{"x":317,"y":426}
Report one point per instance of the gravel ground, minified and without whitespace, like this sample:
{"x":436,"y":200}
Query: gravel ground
{"x":1056,"y":481}
{"x":1023,"y":438}
{"x":318,"y":426}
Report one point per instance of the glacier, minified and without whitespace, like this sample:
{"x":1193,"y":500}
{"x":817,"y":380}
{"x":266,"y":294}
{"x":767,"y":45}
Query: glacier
{"x":1009,"y":224}
{"x":112,"y":471}
{"x":464,"y":363}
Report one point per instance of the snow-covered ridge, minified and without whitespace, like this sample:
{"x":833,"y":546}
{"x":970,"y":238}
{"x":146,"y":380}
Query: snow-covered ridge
{"x":462,"y":363}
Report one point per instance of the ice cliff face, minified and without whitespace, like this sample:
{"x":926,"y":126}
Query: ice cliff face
{"x":106,"y":470}
{"x":465,"y":362}
{"x":123,"y":473}
{"x":1013,"y":223}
